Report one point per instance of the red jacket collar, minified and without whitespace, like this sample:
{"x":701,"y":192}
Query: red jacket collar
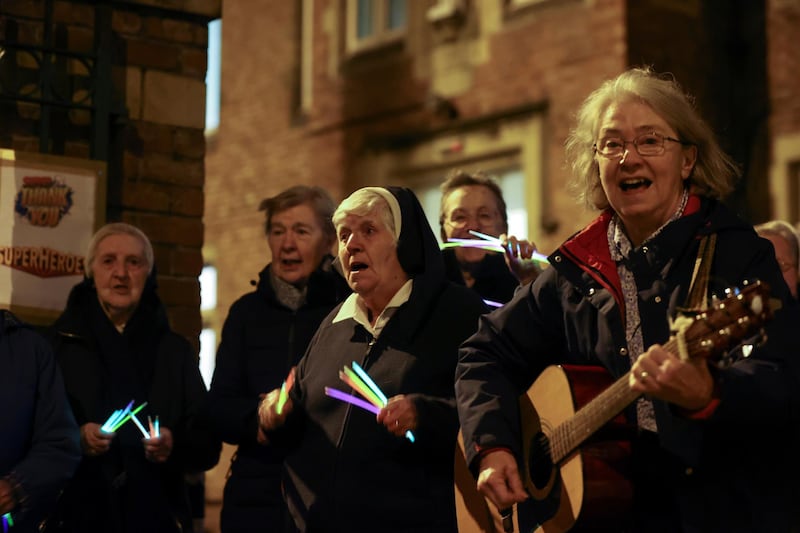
{"x":589,"y":250}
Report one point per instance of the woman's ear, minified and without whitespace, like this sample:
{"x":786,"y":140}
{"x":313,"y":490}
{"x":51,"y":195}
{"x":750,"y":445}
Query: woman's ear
{"x":689,"y":160}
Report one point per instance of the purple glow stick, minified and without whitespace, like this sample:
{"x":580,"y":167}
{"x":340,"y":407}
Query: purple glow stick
{"x":492,"y":303}
{"x":349,"y":398}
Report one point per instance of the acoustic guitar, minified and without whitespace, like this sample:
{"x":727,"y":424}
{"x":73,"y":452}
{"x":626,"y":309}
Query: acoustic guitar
{"x":575,"y":441}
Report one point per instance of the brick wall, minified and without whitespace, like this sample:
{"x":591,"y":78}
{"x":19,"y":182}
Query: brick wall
{"x":156,"y":144}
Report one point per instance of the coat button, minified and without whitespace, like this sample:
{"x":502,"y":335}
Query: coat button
{"x":645,"y":249}
{"x":623,"y":351}
{"x":591,"y":291}
{"x":557,"y":258}
{"x":658,"y":299}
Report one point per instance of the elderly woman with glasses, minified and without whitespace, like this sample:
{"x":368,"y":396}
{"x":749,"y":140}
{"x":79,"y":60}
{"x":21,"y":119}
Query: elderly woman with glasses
{"x":473,"y":202}
{"x":388,"y":467}
{"x":704,"y":439}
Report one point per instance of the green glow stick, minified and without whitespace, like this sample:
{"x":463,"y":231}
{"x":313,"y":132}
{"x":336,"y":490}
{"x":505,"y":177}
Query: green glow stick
{"x":282,"y":397}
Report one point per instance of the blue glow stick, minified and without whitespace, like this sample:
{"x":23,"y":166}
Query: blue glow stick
{"x":158,"y":431}
{"x":140,"y":426}
{"x":110,"y":421}
{"x":8,"y":521}
{"x":109,"y":425}
{"x":353,"y":400}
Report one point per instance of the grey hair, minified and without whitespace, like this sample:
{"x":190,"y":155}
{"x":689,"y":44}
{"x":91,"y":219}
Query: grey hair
{"x":783,"y":230}
{"x":714,"y":173}
{"x":361,"y":203}
{"x":118,"y":228}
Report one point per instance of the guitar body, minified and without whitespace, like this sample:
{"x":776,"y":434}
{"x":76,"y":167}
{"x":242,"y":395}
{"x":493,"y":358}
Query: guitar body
{"x":590,"y":488}
{"x":588,"y":491}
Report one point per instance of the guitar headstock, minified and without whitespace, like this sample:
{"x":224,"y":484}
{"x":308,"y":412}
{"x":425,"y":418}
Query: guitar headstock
{"x":727,"y":323}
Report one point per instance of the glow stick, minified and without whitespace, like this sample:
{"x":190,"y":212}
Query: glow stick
{"x":486,"y":237}
{"x":158,"y":426}
{"x":8,"y":521}
{"x":349,"y":398}
{"x":140,"y":426}
{"x":371,"y":384}
{"x":492,"y":303}
{"x":126,"y":418}
{"x":282,"y":397}
{"x":349,"y":377}
{"x":489,"y":247}
{"x":109,"y":424}
{"x":374,"y":389}
{"x":110,"y":420}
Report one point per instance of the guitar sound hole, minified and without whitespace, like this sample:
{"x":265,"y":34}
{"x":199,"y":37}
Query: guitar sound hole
{"x":540,"y":460}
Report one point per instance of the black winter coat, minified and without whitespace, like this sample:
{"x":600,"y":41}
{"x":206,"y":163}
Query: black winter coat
{"x":121,"y":491}
{"x":493,"y":280}
{"x":261,"y":341}
{"x":723,"y":470}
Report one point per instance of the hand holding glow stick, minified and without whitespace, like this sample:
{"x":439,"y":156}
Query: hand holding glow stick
{"x":158,"y":449}
{"x":284,"y":393}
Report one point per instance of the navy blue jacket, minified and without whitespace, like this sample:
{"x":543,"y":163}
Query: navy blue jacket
{"x":40,"y":448}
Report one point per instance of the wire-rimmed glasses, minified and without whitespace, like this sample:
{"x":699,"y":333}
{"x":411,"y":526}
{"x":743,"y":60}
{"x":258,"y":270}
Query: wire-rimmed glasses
{"x":646,"y":144}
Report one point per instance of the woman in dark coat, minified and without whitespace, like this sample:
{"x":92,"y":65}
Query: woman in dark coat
{"x":265,"y":334}
{"x":114,"y":345}
{"x":708,"y":446}
{"x":349,"y":470}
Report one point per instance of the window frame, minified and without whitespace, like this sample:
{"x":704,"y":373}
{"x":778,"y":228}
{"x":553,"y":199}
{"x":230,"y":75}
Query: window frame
{"x":381,"y":35}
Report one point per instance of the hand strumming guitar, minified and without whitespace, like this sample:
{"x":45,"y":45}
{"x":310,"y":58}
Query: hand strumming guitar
{"x":498,"y":479}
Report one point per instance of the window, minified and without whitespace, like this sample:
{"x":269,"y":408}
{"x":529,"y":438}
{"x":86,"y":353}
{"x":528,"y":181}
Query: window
{"x":372,"y":23}
{"x":208,"y":337}
{"x":213,"y":75}
{"x":512,"y":183}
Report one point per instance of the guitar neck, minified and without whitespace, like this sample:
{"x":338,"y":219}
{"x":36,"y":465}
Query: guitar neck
{"x":570,"y":434}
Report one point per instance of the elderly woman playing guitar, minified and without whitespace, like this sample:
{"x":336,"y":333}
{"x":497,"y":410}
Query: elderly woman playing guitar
{"x":704,"y":421}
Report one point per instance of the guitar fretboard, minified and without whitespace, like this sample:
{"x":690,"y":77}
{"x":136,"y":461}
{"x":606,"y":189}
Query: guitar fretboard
{"x":569,"y":435}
